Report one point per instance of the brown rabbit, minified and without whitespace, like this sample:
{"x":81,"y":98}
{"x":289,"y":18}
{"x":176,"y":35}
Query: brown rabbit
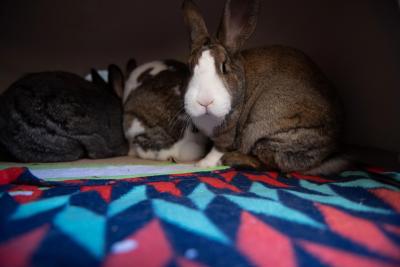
{"x":263,"y":107}
{"x":154,"y":120}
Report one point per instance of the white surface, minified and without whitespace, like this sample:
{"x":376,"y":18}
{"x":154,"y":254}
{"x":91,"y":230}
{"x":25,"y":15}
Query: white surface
{"x":112,"y":171}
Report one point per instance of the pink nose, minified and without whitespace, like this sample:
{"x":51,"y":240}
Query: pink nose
{"x":205,"y":103}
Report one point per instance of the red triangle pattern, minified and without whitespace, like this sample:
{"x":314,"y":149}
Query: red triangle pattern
{"x":392,"y":198}
{"x":152,"y":250}
{"x":9,"y":175}
{"x":18,"y":251}
{"x":131,"y":180}
{"x":312,"y":178}
{"x":228,"y":176}
{"x":273,"y":175}
{"x":28,"y":193}
{"x":183,"y":262}
{"x":340,"y":258}
{"x":219,"y":184}
{"x":264,"y":245}
{"x":103,"y":190}
{"x":360,"y":231}
{"x":267,"y":180}
{"x":73,"y":182}
{"x":376,"y":170}
{"x":167,"y":187}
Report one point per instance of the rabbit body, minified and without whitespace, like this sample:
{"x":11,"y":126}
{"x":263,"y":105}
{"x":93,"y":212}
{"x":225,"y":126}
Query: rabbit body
{"x":263,"y":107}
{"x":290,"y":118}
{"x":58,"y":116}
{"x":155,"y":122}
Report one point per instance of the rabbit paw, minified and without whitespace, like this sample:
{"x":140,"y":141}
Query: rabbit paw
{"x":240,"y":160}
{"x":208,"y":163}
{"x":213,"y":159}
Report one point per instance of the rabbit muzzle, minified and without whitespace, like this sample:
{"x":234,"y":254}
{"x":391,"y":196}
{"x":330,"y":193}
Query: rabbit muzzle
{"x":207,"y":98}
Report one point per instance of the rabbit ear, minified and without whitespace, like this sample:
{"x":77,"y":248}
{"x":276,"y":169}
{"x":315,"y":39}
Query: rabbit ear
{"x":238,"y":23}
{"x":97,"y":79}
{"x":116,"y":79}
{"x":195,"y":22}
{"x":131,"y":65}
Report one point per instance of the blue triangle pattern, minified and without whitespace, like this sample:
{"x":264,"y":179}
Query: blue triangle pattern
{"x":263,"y":191}
{"x":365,"y":183}
{"x":200,"y":222}
{"x":37,"y":207}
{"x":340,"y":202}
{"x":274,"y":209}
{"x":320,"y":188}
{"x":201,"y":196}
{"x":133,"y":197}
{"x":189,"y":219}
{"x":85,"y":227}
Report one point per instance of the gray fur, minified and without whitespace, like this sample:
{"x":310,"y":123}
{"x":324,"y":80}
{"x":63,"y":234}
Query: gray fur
{"x":58,"y":116}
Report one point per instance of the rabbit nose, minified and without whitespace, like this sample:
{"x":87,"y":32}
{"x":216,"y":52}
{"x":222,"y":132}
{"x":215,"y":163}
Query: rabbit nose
{"x":205,"y":103}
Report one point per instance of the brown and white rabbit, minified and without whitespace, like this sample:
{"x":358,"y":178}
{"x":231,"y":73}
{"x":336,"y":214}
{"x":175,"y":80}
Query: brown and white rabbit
{"x":155,"y":123}
{"x":263,"y":107}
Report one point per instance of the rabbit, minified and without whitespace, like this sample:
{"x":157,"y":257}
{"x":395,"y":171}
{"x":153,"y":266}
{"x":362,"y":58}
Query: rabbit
{"x":155,"y":123}
{"x":58,"y":116}
{"x":264,"y":108}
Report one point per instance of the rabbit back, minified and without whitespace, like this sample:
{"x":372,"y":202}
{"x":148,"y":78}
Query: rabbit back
{"x":296,"y":115}
{"x":58,"y":116}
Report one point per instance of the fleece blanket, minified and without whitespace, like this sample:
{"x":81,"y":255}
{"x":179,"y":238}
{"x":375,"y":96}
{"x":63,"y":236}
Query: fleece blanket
{"x":213,"y":218}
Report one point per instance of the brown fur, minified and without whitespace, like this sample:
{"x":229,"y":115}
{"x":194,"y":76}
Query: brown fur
{"x":284,"y":111}
{"x":157,"y":106}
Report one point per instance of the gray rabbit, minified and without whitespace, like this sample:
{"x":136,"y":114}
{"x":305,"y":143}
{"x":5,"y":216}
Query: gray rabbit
{"x":268,"y":107}
{"x":58,"y":116}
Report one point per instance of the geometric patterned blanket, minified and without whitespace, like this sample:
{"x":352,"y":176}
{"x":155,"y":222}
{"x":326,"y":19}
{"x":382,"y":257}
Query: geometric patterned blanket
{"x":220,"y":218}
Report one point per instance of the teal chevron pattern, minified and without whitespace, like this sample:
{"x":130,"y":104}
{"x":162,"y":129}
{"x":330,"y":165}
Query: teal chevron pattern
{"x":37,"y":207}
{"x":85,"y":227}
{"x":273,"y":209}
{"x":220,"y":218}
{"x":264,"y":191}
{"x":189,"y":219}
{"x":201,"y":196}
{"x":134,"y":196}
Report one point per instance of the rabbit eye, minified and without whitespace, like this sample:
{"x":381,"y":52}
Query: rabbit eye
{"x":224,"y":68}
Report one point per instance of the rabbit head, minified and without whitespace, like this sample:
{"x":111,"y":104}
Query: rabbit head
{"x":217,"y":83}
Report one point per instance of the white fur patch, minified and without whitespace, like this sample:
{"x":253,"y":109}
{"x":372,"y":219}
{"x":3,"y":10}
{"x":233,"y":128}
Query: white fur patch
{"x":206,"y":86}
{"x":207,"y":123}
{"x":190,"y":148}
{"x":212,"y":159}
{"x":132,"y":82}
{"x":103,"y":74}
{"x":135,"y":129}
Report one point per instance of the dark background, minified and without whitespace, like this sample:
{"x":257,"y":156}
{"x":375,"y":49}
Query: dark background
{"x":356,"y":43}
